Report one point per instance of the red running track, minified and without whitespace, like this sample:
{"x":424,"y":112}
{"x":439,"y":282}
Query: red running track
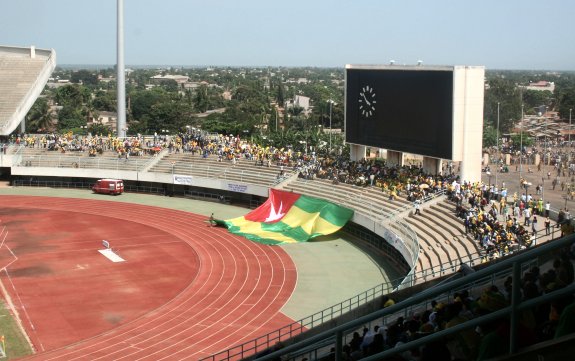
{"x":186,"y":290}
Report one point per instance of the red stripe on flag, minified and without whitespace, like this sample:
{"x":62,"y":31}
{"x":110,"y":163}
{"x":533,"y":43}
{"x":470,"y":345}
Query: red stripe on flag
{"x":274,"y":208}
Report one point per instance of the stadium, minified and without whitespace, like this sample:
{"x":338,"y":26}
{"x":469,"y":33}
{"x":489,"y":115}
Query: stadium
{"x":177,"y":288}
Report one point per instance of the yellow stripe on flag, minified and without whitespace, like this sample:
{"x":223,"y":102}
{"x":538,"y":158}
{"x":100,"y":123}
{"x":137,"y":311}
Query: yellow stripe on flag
{"x":311,"y":223}
{"x":324,"y":227}
{"x":255,"y":228}
{"x":297,"y":217}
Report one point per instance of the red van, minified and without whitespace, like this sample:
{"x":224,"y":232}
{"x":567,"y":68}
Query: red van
{"x":109,"y":186}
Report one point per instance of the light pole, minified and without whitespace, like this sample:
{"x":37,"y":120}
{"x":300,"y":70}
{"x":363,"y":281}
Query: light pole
{"x":331,"y":104}
{"x":521,"y":144}
{"x":497,"y":142}
{"x":545,"y":137}
{"x":570,"y":132}
{"x":548,"y":161}
{"x":120,"y":71}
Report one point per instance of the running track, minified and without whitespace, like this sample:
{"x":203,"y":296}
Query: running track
{"x":234,"y":291}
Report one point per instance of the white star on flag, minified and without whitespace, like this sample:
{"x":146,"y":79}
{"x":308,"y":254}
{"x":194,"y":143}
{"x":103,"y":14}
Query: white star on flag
{"x":275,"y":216}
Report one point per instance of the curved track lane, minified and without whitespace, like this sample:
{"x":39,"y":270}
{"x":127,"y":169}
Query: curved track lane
{"x":235,"y":294}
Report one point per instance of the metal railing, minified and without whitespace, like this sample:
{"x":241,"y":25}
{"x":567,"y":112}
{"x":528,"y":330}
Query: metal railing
{"x":406,"y":208}
{"x":293,"y":329}
{"x":84,"y":162}
{"x":253,"y":346}
{"x":214,"y":197}
{"x":50,"y":184}
{"x":82,"y":185}
{"x":512,"y":266}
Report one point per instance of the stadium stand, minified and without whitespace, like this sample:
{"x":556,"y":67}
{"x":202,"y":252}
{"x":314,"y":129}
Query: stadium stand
{"x":24,"y":73}
{"x":441,"y":243}
{"x":480,"y":314}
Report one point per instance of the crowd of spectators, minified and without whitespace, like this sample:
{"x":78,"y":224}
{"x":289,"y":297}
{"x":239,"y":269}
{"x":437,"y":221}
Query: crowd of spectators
{"x":500,"y":225}
{"x":224,"y":147}
{"x":541,"y":323}
{"x":93,"y":145}
{"x":409,"y":181}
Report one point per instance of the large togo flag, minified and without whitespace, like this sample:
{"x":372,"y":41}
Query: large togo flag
{"x":288,"y":217}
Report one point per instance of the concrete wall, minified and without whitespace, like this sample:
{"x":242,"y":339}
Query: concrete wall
{"x":167,"y":178}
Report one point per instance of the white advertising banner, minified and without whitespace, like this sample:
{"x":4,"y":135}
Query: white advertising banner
{"x":237,"y":187}
{"x":183,"y":179}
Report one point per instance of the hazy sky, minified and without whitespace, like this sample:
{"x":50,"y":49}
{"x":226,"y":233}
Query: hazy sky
{"x":499,"y":34}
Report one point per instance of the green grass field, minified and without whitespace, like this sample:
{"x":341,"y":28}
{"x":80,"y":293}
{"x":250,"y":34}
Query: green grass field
{"x":16,"y":343}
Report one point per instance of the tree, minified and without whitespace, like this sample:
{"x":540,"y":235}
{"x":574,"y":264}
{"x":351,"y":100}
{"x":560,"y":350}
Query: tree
{"x":295,"y":110}
{"x":39,"y":118}
{"x":280,"y":94}
{"x":84,"y":77}
{"x":143,"y":101}
{"x":170,"y":85}
{"x":71,"y":95}
{"x":169,"y":115}
{"x":565,"y":100}
{"x":519,"y":140}
{"x":201,"y":99}
{"x":489,"y":136}
{"x":509,"y":97}
{"x":533,"y":99}
{"x":69,"y":118}
{"x":99,"y":129}
{"x":105,"y":100}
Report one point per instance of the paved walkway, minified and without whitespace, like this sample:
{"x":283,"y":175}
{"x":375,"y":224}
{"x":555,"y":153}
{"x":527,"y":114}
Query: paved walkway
{"x":330,"y":269}
{"x":556,"y":197}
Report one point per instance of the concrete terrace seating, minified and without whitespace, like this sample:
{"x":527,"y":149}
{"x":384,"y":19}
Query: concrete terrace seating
{"x":444,"y":246}
{"x":39,"y":157}
{"x":424,"y":261}
{"x":23,"y":73}
{"x":188,"y":164}
{"x":369,"y":201}
{"x":247,"y":171}
{"x":196,"y":165}
{"x":17,"y":76}
{"x":444,"y":213}
{"x":442,"y":239}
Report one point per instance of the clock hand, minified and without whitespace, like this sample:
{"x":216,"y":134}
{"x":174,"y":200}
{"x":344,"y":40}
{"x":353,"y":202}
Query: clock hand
{"x":364,"y":98}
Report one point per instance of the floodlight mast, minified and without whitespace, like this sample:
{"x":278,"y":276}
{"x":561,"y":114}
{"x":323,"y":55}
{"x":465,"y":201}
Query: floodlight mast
{"x":121,"y":73}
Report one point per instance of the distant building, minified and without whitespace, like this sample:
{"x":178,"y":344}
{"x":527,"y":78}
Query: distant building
{"x":106,"y":79}
{"x":180,"y":79}
{"x":107,"y":119}
{"x":297,"y":81}
{"x":300,"y":101}
{"x":541,"y":85}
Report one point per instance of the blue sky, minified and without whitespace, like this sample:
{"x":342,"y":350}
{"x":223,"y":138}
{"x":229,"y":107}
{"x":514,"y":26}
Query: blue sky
{"x":499,"y":34}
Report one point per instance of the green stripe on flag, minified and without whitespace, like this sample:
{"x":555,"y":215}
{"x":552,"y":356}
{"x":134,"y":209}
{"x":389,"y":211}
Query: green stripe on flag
{"x":332,"y":213}
{"x":297,"y":233}
{"x":307,"y":218}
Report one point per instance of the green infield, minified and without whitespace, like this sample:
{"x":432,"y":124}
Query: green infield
{"x":13,"y":342}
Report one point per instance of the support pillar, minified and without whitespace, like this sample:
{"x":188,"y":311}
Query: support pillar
{"x":394,"y":158}
{"x":485,"y":159}
{"x":431,"y":165}
{"x":357,"y":152}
